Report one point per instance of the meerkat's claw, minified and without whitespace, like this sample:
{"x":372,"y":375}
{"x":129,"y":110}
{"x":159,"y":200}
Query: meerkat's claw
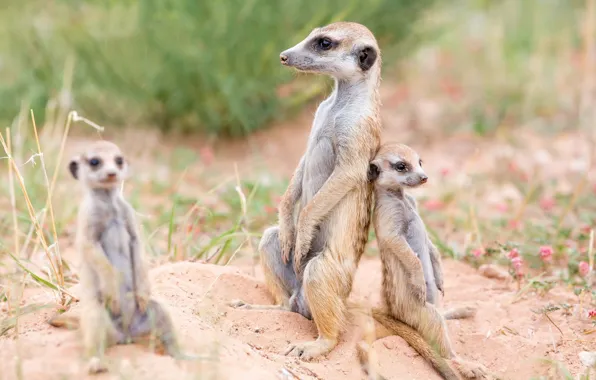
{"x":418,"y":289}
{"x":142,"y":302}
{"x":310,"y":350}
{"x":114,"y":305}
{"x":471,"y":370}
{"x":96,"y":365}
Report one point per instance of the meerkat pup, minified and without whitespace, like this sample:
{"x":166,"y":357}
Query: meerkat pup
{"x":309,"y":265}
{"x":116,"y":304}
{"x":411,"y":263}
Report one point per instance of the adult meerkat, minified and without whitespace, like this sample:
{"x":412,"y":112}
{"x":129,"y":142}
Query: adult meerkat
{"x":411,"y":265}
{"x":309,"y":265}
{"x":116,"y":304}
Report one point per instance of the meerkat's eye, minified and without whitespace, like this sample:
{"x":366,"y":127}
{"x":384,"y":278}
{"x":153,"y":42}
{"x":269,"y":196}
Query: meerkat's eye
{"x":324,"y":43}
{"x":420,"y":162}
{"x":119,"y":161}
{"x":94,"y":162}
{"x":400,"y":166}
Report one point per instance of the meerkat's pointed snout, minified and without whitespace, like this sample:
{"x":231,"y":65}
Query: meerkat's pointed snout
{"x":283,"y":58}
{"x":423,"y":178}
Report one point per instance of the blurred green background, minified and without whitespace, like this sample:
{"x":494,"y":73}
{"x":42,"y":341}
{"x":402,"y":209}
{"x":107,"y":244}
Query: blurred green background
{"x":212,"y":66}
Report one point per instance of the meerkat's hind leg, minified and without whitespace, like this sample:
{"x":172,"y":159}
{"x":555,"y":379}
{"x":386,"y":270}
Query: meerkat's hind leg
{"x":279,"y":277}
{"x":99,"y":333}
{"x":156,"y":320}
{"x":326,"y":287}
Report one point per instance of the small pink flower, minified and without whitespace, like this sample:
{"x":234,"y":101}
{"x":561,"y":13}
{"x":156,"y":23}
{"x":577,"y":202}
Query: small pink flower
{"x":518,"y":263}
{"x":270,"y":209}
{"x":513,"y":253}
{"x":514,"y":224}
{"x":502,"y":207}
{"x":586,"y":228}
{"x":584,"y":268}
{"x":547,"y":203}
{"x":592,"y":313}
{"x":478,"y":252}
{"x":444,"y":172}
{"x":546,"y":252}
{"x":434,"y":204}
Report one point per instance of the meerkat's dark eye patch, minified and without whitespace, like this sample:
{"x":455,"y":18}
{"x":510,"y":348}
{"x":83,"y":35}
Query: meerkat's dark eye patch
{"x":94,"y":162}
{"x":324,"y":43}
{"x":400,"y":166}
{"x":420,"y":162}
{"x":119,"y":161}
{"x":367,"y":57}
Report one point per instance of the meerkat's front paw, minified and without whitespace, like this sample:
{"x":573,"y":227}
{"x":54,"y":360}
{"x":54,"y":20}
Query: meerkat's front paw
{"x":142,"y":300}
{"x":300,"y":251}
{"x":286,"y":241}
{"x":418,"y":288}
{"x":439,"y":283}
{"x":142,"y":295}
{"x":112,"y":301}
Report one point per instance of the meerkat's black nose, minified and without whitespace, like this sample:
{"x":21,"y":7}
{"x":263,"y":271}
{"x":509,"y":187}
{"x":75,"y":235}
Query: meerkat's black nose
{"x":111,"y":175}
{"x":283,"y":58}
{"x":423,"y":178}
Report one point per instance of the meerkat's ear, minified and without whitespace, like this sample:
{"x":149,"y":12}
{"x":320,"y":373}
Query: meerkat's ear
{"x":367,"y":56}
{"x":73,"y":167}
{"x":373,"y":171}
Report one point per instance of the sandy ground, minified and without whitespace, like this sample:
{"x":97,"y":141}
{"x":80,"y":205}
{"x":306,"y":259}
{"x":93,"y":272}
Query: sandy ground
{"x":506,"y":336}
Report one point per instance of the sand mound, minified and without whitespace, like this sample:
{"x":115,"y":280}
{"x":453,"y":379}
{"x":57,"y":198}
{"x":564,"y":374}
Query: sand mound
{"x":248,"y":344}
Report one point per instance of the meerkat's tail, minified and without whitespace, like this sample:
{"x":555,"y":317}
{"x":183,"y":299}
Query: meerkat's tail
{"x":460,"y":312}
{"x":414,"y":339}
{"x":65,"y":320}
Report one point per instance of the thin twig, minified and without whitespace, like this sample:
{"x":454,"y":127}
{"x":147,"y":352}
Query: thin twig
{"x":13,"y":202}
{"x":554,"y":324}
{"x":49,"y":206}
{"x":30,"y":209}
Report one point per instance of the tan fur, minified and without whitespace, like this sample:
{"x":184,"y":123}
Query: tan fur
{"x":406,"y":310}
{"x":312,"y":263}
{"x":116,"y":304}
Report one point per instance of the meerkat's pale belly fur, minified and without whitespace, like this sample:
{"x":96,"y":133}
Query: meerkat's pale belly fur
{"x":350,"y":219}
{"x":115,"y":241}
{"x":414,"y":230}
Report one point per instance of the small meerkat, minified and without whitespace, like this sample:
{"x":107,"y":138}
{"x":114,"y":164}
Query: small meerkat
{"x":116,"y":303}
{"x":309,"y":265}
{"x":411,"y":264}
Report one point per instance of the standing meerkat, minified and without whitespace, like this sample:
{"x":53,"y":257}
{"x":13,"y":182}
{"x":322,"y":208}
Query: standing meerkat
{"x":411,"y":265}
{"x":116,"y":304}
{"x":309,"y":265}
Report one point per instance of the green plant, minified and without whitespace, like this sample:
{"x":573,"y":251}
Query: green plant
{"x":209,"y":66}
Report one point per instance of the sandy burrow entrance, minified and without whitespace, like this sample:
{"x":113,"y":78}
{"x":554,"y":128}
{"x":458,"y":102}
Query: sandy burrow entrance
{"x":247,"y":344}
